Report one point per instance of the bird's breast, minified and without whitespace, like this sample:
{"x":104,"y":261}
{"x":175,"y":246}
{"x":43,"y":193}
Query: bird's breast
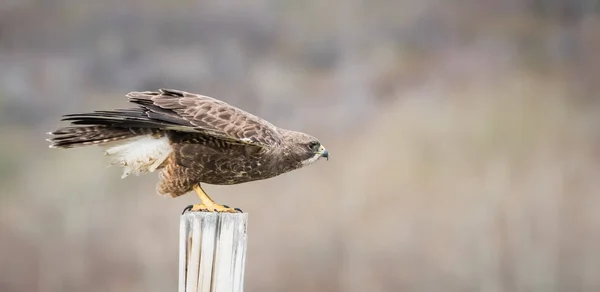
{"x":232,"y":169}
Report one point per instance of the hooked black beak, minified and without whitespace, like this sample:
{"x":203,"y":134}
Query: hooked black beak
{"x":325,"y":154}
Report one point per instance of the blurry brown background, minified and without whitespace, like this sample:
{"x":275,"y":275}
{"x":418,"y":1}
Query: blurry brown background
{"x":464,"y":139}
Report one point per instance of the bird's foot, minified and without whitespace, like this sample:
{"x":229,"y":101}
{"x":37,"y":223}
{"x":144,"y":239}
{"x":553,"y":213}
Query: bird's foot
{"x":211,"y":208}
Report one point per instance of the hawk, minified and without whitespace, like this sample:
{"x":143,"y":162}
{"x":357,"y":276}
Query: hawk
{"x":191,"y":139}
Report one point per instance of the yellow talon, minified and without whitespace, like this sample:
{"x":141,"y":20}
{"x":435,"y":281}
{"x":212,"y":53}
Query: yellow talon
{"x":212,"y":208}
{"x":208,"y":205}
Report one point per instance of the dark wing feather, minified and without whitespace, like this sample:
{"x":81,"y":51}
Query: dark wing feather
{"x":203,"y":114}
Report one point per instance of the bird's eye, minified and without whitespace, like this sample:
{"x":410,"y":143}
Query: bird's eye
{"x":314,"y":146}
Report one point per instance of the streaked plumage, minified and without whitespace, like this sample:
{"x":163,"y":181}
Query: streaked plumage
{"x":191,"y":139}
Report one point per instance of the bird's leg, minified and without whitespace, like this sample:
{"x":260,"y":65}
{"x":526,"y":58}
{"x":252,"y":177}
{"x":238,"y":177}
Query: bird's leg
{"x":208,"y":204}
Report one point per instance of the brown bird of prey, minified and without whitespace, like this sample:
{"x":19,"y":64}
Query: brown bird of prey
{"x":191,"y":139}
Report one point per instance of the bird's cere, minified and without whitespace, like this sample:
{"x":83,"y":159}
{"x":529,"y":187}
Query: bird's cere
{"x":321,"y":153}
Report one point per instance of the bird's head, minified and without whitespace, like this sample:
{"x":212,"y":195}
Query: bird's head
{"x":304,"y":148}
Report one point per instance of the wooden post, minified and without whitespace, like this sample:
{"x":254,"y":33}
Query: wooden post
{"x":212,"y":252}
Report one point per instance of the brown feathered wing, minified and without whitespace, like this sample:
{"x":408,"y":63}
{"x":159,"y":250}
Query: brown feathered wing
{"x":192,"y":112}
{"x":167,"y":110}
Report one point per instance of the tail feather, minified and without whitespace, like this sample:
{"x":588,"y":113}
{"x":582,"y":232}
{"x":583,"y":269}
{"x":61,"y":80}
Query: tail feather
{"x":69,"y":137}
{"x":101,"y":127}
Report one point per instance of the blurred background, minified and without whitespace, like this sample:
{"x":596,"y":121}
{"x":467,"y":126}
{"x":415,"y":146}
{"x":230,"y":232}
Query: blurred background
{"x":464,"y":139}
